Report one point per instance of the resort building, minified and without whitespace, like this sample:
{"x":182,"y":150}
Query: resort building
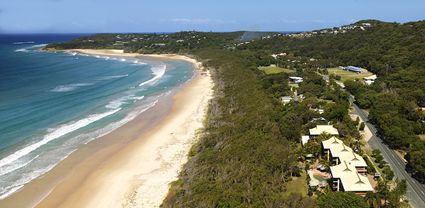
{"x":348,"y":170}
{"x":319,"y":129}
{"x":337,"y":152}
{"x":346,"y":178}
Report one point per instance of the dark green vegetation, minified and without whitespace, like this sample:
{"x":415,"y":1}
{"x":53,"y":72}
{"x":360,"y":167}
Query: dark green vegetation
{"x":387,"y":196}
{"x":247,"y":151}
{"x":243,"y":159}
{"x":395,"y":52}
{"x":341,"y":200}
{"x":182,"y":42}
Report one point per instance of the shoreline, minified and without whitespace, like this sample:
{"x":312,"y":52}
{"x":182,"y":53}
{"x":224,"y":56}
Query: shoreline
{"x":138,"y":160}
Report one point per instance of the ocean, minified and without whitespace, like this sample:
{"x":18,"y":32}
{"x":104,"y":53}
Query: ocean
{"x":52,"y":103}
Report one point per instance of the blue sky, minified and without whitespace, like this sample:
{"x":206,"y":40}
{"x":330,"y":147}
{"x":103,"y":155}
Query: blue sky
{"x":77,"y":16}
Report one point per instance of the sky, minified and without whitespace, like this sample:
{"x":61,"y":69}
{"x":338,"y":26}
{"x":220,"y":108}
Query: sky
{"x":98,"y":16}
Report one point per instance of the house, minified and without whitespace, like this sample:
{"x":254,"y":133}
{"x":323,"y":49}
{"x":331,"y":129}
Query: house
{"x":353,"y":69}
{"x":319,"y":129}
{"x":285,"y":99}
{"x":296,"y":80}
{"x":370,"y":79}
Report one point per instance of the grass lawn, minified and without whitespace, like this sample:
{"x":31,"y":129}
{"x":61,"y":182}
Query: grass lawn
{"x":347,"y":75}
{"x":274,"y":70}
{"x":297,"y":185}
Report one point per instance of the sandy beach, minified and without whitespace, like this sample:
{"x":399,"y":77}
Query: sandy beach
{"x":133,"y":165}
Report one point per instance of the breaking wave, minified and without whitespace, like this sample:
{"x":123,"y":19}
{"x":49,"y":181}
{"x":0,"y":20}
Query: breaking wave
{"x":158,"y":72}
{"x":60,"y":131}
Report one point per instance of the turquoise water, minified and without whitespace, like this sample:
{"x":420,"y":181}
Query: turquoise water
{"x":52,"y":103}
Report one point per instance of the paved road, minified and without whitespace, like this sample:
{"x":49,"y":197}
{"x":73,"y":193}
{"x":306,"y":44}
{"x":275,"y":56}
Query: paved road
{"x":415,"y":190}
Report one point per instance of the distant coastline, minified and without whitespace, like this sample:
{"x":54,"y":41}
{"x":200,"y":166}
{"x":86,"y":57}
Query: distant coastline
{"x":139,"y":165}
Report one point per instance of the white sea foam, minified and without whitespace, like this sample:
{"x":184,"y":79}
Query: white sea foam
{"x":61,"y":131}
{"x":24,"y":42}
{"x":139,"y":63}
{"x":38,"y":46}
{"x":158,"y":72}
{"x":113,"y":77}
{"x":72,"y":53}
{"x":21,"y":50}
{"x":123,"y":59}
{"x":114,"y":104}
{"x":28,"y":49}
{"x":139,"y":98}
{"x":117,"y":103}
{"x":69,"y":87}
{"x":18,"y":184}
{"x":14,"y":166}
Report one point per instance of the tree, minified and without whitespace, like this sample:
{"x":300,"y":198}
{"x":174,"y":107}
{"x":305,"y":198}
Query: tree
{"x":362,"y":126}
{"x":357,"y":121}
{"x":383,"y":191}
{"x":353,"y":87}
{"x":389,"y":174}
{"x":341,"y":200}
{"x":373,"y":199}
{"x":396,"y":195}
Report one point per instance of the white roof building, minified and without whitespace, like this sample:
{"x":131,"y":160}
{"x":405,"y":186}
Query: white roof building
{"x":347,"y":154}
{"x":331,"y":143}
{"x":339,"y":151}
{"x":347,"y":174}
{"x":350,"y":179}
{"x":319,"y":129}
